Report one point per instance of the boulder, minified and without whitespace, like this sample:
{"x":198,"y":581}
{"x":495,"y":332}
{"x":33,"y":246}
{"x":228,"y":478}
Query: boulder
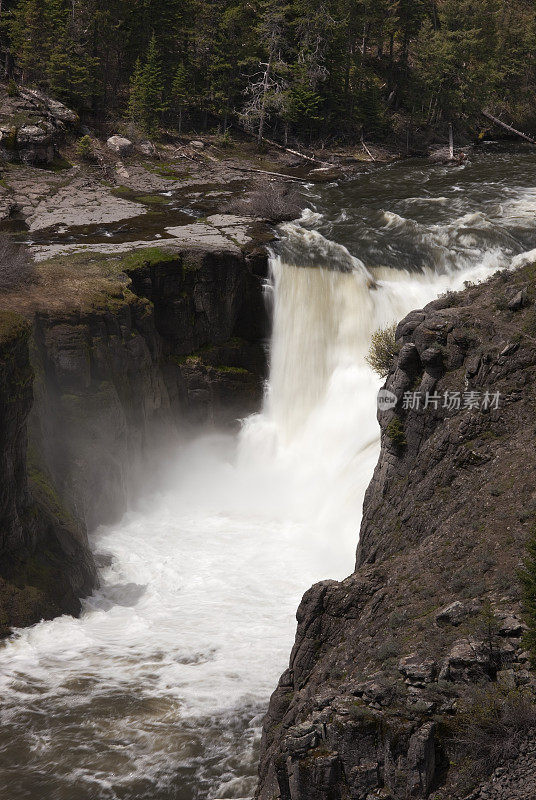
{"x":518,"y":301}
{"x":120,"y":145}
{"x":53,"y":108}
{"x":32,"y":126}
{"x":418,"y":670}
{"x":148,"y":149}
{"x":453,"y":614}
{"x":469,"y":660}
{"x":197,"y":144}
{"x":510,"y":625}
{"x":35,"y":143}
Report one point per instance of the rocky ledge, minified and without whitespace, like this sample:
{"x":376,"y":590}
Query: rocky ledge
{"x":410,"y":679}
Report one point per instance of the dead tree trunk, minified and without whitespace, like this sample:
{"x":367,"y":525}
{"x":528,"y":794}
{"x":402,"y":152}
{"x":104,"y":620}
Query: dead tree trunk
{"x":507,"y":127}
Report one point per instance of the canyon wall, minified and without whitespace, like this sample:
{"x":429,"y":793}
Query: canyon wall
{"x":45,"y":564}
{"x":127,"y":355}
{"x":394,"y":668}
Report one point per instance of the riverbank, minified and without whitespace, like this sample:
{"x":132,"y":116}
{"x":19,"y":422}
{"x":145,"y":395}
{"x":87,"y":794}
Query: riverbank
{"x":58,"y":175}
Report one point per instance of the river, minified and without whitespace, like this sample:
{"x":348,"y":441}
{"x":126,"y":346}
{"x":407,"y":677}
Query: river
{"x":157,"y":691}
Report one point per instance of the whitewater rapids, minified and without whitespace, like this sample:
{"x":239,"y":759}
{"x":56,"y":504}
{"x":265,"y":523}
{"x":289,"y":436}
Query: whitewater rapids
{"x":157,"y":691}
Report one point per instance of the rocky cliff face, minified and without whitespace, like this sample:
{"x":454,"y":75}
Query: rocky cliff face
{"x":402,"y":675}
{"x":179,"y":343}
{"x":45,"y":564}
{"x":127,"y":352}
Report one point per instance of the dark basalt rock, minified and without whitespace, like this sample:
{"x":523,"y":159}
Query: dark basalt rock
{"x":45,"y":562}
{"x":384,"y":660}
{"x":174,"y":341}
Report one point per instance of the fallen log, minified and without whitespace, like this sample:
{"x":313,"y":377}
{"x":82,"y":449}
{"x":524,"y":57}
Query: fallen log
{"x":365,"y":148}
{"x":297,"y":153}
{"x":270,"y":174}
{"x":507,"y":127}
{"x":286,"y":149}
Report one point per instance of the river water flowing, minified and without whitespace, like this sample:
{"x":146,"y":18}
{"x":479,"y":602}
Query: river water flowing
{"x":157,"y":691}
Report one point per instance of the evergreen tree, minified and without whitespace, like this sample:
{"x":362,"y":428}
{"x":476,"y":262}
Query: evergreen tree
{"x":30,"y":38}
{"x":153,"y":88}
{"x":308,"y":67}
{"x":180,"y":95}
{"x":69,"y":71}
{"x":147,"y":91}
{"x":136,"y":105}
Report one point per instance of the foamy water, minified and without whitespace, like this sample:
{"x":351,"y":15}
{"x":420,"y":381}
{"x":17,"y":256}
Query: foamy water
{"x":157,"y":691}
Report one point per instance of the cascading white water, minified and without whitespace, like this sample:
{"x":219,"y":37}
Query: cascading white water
{"x":157,"y":690}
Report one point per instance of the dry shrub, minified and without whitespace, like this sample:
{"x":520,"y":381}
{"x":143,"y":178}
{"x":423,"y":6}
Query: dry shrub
{"x":274,"y":202}
{"x":17,"y":268}
{"x":491,"y":727}
{"x":383,"y":349}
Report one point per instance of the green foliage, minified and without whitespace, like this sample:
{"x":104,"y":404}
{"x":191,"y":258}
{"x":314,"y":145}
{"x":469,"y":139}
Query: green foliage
{"x":84,"y":148}
{"x":30,"y":36}
{"x":383,"y":350}
{"x":297,"y":68}
{"x":69,"y":71}
{"x":12,"y":89}
{"x":396,"y":433}
{"x":180,"y":95}
{"x":146,"y":257}
{"x":147,"y":91}
{"x":528,"y":585}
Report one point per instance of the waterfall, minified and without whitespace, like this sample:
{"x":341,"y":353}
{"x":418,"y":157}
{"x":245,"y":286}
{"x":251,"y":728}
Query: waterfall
{"x":157,"y":691}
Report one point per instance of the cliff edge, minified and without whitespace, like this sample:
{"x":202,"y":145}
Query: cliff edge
{"x":410,"y":678}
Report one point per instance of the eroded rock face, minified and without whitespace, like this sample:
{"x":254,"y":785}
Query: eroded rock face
{"x":32,"y":126}
{"x":179,"y":342}
{"x":100,"y":399}
{"x":210,"y":314}
{"x":384,"y":660}
{"x":123,"y":362}
{"x":45,"y":562}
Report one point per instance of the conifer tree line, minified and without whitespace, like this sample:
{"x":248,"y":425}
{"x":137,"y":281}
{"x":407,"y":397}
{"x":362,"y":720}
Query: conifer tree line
{"x":304,"y":69}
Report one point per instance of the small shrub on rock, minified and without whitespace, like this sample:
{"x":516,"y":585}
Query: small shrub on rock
{"x":383,"y":350}
{"x":17,"y":267}
{"x":84,"y":149}
{"x":396,"y":433}
{"x":491,"y":726}
{"x":269,"y":201}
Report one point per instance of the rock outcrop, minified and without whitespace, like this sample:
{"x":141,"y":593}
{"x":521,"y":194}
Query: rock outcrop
{"x":395,"y":668}
{"x":127,"y":352}
{"x":45,"y":564}
{"x":32,"y":126}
